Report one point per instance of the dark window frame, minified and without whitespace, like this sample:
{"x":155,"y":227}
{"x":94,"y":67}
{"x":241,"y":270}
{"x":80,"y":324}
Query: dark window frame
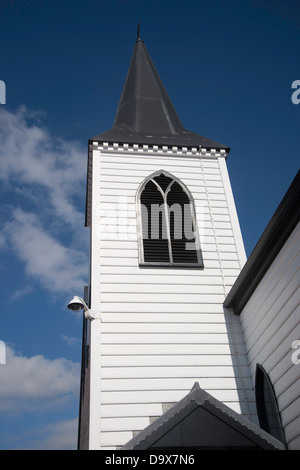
{"x":171,"y":263}
{"x":264,"y":385}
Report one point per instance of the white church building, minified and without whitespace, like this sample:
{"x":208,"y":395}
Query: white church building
{"x":186,"y":343}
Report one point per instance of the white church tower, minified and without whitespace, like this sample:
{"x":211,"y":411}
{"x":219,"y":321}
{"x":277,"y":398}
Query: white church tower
{"x":165,"y":249}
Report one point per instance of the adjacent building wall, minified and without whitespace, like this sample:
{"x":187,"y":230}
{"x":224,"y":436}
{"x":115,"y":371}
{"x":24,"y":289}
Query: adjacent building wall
{"x":271,"y":325}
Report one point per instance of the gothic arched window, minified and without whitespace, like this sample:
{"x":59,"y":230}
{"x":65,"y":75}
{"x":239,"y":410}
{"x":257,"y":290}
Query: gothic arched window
{"x":168,"y":229}
{"x":266,"y":404}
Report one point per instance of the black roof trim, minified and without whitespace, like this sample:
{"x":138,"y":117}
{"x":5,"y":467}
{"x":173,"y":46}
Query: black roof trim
{"x":281,"y":225}
{"x":196,"y":398}
{"x":187,"y":139}
{"x":184,"y":139}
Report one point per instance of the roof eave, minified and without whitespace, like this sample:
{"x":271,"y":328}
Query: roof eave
{"x":181,"y":139}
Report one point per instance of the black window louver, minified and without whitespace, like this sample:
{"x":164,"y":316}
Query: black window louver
{"x":168,"y":223}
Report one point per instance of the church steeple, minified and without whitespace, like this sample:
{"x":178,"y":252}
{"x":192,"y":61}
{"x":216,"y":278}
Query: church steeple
{"x":146,"y":113}
{"x":165,"y":244}
{"x":145,"y":105}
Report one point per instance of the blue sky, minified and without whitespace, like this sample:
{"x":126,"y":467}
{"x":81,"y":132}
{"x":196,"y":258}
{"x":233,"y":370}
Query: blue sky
{"x":228,"y":67}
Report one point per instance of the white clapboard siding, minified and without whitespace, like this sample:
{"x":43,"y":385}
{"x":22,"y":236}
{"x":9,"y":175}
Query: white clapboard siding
{"x":158,"y":288}
{"x":160,"y":298}
{"x":124,"y":423}
{"x":168,"y":328}
{"x":285,"y":276}
{"x":275,"y":329}
{"x":165,"y":372}
{"x":104,"y":269}
{"x":176,"y":360}
{"x":158,"y":307}
{"x":280,"y":359}
{"x":165,"y":349}
{"x":288,"y":413}
{"x":150,"y":282}
{"x":152,"y":338}
{"x":204,"y":318}
{"x":161,"y":383}
{"x":163,"y":329}
{"x":173,"y":395}
{"x":131,"y":410}
{"x":114,"y":439}
{"x":273,"y":313}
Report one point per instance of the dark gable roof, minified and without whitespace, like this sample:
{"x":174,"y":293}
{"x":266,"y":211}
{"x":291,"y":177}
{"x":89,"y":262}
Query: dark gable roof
{"x":145,"y":114}
{"x":272,"y":240}
{"x":201,"y":421}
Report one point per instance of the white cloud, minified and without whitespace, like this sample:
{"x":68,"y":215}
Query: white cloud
{"x":42,"y":178}
{"x":30,"y":155}
{"x":61,"y":435}
{"x":29,"y":384}
{"x":71,"y":340}
{"x":21,"y":292}
{"x":47,"y":174}
{"x":56,"y":267}
{"x":57,"y":436}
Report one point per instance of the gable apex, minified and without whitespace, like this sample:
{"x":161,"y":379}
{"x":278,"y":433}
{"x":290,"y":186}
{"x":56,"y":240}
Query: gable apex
{"x":200,"y":421}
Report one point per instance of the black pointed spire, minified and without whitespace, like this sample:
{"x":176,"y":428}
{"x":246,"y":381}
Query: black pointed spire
{"x":145,"y":105}
{"x":145,"y":113}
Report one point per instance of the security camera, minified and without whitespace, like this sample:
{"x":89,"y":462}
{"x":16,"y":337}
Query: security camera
{"x":77,"y":304}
